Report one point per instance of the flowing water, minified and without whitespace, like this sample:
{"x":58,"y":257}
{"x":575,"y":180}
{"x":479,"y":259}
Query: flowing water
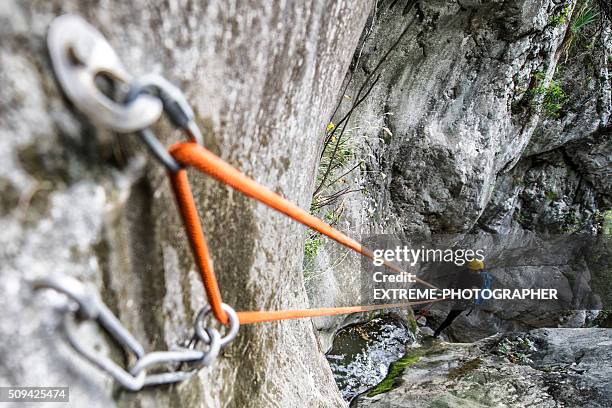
{"x":361,"y":354}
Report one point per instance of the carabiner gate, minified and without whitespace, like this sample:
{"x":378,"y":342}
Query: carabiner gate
{"x":177,"y":109}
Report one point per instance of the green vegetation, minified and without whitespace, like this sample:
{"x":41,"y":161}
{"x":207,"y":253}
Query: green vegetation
{"x":396,"y":369}
{"x":412,"y":324}
{"x":550,"y":96}
{"x":586,"y":15}
{"x":551,"y":195}
{"x":332,"y":171}
{"x":517,"y":350}
{"x":560,"y":18}
{"x":572,"y":222}
{"x":464,"y":369}
{"x":606,"y":225}
{"x":603,"y":221}
{"x":553,"y":98}
{"x":313,"y":243}
{"x":331,"y":185}
{"x":603,"y":319}
{"x":311,"y":248}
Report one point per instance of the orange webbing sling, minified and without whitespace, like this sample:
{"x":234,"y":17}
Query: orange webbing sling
{"x":193,"y":155}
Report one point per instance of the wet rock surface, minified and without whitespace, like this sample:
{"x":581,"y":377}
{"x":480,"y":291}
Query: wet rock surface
{"x":541,"y":368}
{"x":362,"y":353}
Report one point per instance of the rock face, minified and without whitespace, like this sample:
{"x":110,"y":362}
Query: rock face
{"x":543,"y":368}
{"x":480,"y":117}
{"x":562,"y":182}
{"x":446,"y":96}
{"x":80,"y":201}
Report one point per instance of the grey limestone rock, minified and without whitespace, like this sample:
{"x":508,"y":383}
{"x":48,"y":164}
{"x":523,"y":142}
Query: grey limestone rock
{"x":81,"y":201}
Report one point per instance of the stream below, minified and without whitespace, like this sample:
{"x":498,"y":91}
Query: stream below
{"x":361,"y":354}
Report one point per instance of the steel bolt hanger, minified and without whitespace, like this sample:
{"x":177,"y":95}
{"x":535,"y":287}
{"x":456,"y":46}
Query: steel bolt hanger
{"x":79,"y":53}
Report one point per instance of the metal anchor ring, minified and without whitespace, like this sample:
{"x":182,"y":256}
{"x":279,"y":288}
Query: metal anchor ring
{"x":79,"y":53}
{"x":201,"y":332}
{"x":215,"y":346}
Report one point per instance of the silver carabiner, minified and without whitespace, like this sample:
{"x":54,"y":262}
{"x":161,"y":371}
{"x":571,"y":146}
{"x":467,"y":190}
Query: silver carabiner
{"x":176,"y":108}
{"x":127,"y":380}
{"x":79,"y":53}
{"x":91,"y":307}
{"x":173,"y":100}
{"x":84,"y":298}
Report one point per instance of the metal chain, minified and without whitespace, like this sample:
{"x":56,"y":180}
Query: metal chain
{"x":79,"y":54}
{"x":180,"y":363}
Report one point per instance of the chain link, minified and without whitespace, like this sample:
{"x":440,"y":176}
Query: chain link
{"x":180,"y":363}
